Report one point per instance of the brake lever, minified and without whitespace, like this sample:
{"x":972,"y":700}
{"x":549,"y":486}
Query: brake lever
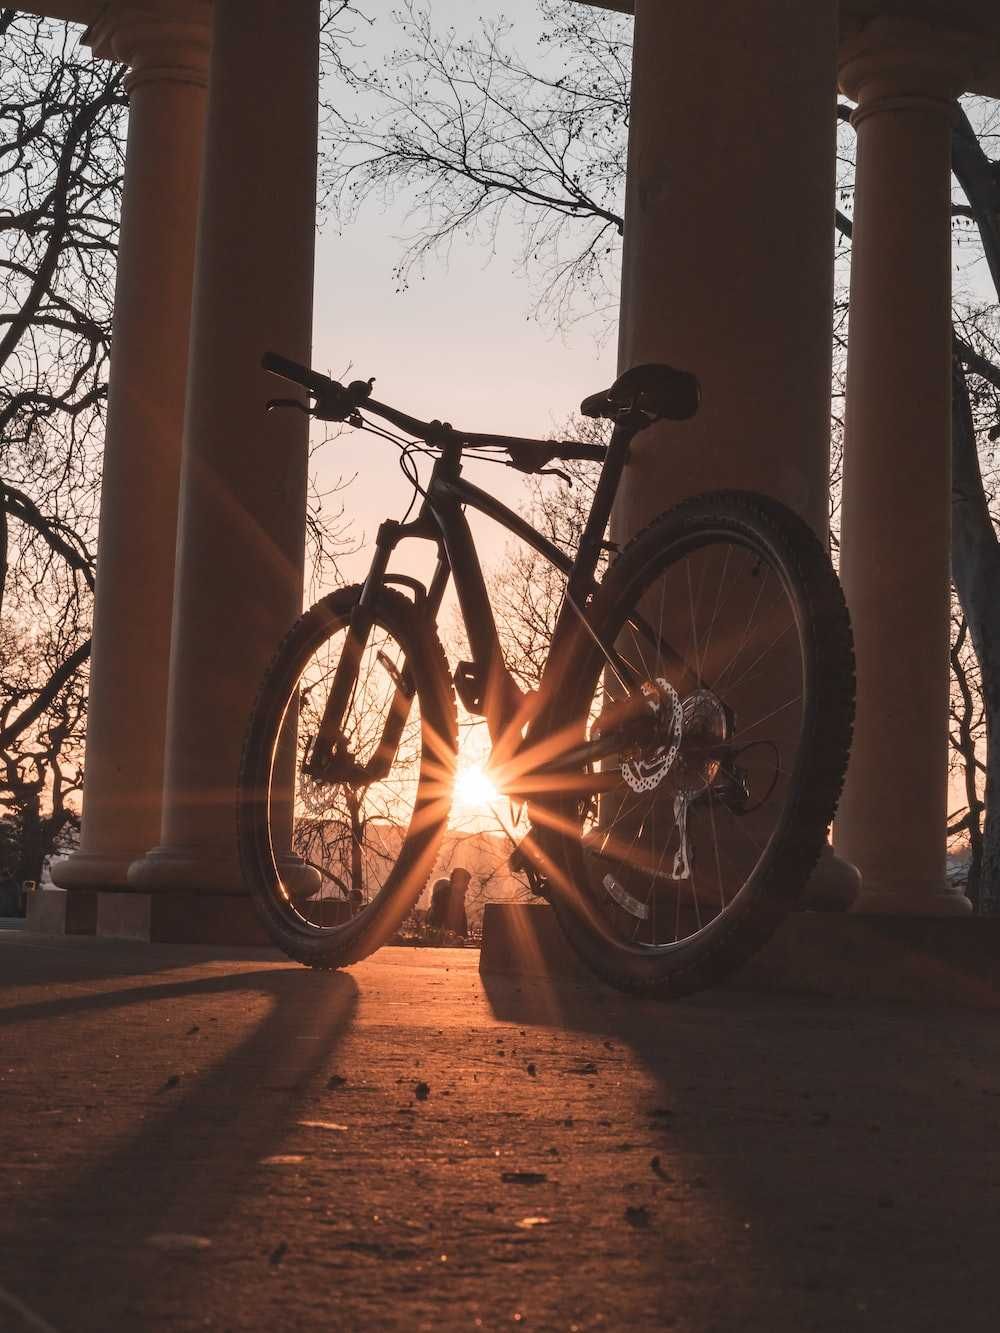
{"x":273,"y":403}
{"x":520,"y":459}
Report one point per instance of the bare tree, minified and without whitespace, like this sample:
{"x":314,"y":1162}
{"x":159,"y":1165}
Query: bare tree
{"x":474,"y":138}
{"x":976,"y":572}
{"x":967,"y":718}
{"x":41,"y":771}
{"x":61,"y":167}
{"x":975,"y":518}
{"x":62,"y":127}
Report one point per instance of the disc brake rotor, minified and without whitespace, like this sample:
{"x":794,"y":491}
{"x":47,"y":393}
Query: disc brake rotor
{"x":645,"y":771}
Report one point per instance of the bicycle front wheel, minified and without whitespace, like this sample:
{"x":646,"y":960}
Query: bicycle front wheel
{"x":336,"y":855}
{"x":718,"y":690}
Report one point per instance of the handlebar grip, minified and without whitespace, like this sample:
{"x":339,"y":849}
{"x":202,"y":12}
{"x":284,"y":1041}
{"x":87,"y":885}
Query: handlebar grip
{"x":588,"y":453}
{"x":298,"y":374}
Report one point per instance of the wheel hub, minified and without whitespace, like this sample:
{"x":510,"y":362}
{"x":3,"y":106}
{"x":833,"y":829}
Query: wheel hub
{"x":706,"y":726}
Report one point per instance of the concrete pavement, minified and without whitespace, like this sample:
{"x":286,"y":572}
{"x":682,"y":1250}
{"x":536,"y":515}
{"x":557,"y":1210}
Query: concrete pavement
{"x":194,"y":1140}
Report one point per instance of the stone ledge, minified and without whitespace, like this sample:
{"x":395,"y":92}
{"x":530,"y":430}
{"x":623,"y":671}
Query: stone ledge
{"x":932,"y":960}
{"x":180,"y":918}
{"x":52,"y":911}
{"x":161,"y":918}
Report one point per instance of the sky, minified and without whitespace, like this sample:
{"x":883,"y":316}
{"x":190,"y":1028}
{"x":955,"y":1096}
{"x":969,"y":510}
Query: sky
{"x":460,"y":345}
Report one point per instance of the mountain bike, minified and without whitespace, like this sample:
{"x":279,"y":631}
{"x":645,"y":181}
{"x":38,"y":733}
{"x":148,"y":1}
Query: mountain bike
{"x":677,"y":767}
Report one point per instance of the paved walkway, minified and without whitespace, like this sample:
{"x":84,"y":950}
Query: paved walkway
{"x":238,"y":1144}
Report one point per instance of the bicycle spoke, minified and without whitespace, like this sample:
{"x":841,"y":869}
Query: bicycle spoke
{"x":734,"y":689}
{"x":744,"y":731}
{"x":694,"y":627}
{"x":715,"y":611}
{"x":720,"y":679}
{"x":715,"y":849}
{"x":734,"y":685}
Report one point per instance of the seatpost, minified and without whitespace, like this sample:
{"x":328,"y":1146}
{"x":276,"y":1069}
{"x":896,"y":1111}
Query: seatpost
{"x":592,"y":540}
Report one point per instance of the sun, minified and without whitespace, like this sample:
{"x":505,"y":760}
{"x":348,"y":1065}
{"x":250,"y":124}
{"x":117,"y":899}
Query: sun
{"x":474,"y":789}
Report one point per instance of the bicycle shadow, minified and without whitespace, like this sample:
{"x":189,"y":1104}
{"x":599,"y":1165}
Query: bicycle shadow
{"x":185,"y":1168}
{"x":760,"y":1163}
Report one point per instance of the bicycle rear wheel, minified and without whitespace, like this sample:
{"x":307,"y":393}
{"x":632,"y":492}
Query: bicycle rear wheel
{"x":722,"y":703}
{"x":336,"y":860}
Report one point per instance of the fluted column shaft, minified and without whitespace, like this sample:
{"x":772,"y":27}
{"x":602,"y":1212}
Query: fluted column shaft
{"x":728,"y":254}
{"x":728,"y":260}
{"x":168,"y":56}
{"x":242,"y":513}
{"x":896,"y":533}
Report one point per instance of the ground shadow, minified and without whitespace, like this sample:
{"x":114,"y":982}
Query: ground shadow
{"x":191,"y":1157}
{"x":834,"y":1161}
{"x":71,"y":959}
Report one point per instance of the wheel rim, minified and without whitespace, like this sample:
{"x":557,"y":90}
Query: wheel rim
{"x":689,"y":813}
{"x":336,"y":845}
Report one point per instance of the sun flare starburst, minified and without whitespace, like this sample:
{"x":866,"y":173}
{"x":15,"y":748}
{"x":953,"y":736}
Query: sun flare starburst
{"x":474,"y":789}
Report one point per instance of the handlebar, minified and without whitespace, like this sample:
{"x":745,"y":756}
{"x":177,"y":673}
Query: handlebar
{"x":291,"y":370}
{"x":339,"y":402}
{"x":334,"y":402}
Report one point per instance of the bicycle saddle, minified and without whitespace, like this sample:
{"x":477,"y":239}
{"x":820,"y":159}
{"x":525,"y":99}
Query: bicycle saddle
{"x":657,"y":391}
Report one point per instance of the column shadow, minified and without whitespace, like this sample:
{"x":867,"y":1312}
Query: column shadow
{"x":183,"y":1170}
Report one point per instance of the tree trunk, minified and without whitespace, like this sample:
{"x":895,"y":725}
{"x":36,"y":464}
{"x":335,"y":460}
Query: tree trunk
{"x":963,"y":740}
{"x":975,"y":562}
{"x":32,"y":850}
{"x":975,"y":552}
{"x":357,"y":841}
{"x":3,"y":543}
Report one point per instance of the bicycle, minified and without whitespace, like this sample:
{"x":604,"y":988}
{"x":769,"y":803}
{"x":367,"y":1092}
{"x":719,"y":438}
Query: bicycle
{"x":678,"y":790}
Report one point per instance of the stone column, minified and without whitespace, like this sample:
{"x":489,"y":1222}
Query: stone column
{"x":242,"y":513}
{"x":168,"y":55}
{"x":895,"y":540}
{"x":728,"y":260}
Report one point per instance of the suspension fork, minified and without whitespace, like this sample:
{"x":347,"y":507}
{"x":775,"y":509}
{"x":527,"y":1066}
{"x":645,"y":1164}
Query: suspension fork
{"x":429,"y":603}
{"x":323,"y":761}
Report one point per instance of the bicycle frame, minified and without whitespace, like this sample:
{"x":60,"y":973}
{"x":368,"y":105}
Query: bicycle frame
{"x":490,"y":690}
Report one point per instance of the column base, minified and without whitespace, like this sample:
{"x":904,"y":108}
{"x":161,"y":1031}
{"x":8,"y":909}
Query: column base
{"x":201,"y":870}
{"x":891,"y":902}
{"x":91,"y":870}
{"x":833,"y":886}
{"x":167,"y":869}
{"x":58,"y":912}
{"x":180,"y":918}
